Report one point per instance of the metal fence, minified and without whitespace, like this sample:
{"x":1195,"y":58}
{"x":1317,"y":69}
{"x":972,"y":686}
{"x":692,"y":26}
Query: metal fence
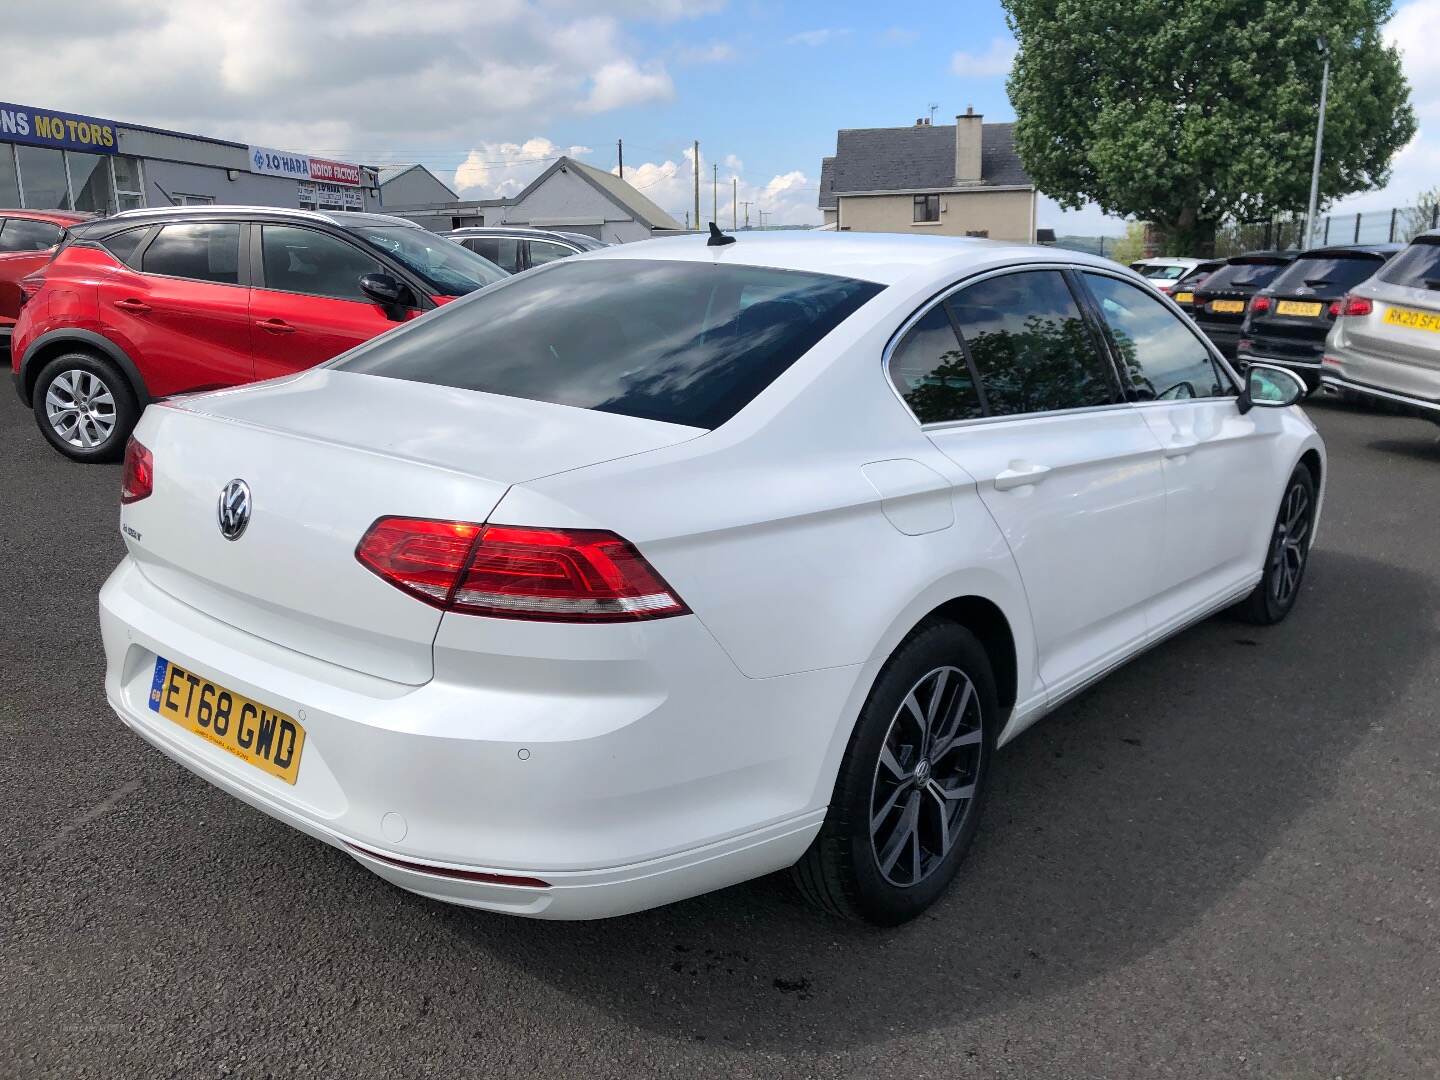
{"x":1400,"y":224}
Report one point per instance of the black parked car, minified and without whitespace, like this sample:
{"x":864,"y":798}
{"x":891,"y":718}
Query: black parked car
{"x":1219,"y":305}
{"x":1183,"y":291}
{"x":515,"y":248}
{"x":1288,"y":320}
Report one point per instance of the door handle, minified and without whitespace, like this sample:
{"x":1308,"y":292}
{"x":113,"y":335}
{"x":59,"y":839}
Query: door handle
{"x":138,"y":307}
{"x":1020,"y":474}
{"x":275,"y":326}
{"x":1177,"y":447}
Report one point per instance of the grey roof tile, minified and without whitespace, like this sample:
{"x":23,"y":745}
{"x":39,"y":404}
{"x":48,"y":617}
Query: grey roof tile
{"x":917,"y":157}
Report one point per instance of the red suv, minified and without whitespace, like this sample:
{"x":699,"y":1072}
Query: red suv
{"x":150,"y":303}
{"x":27,"y":240}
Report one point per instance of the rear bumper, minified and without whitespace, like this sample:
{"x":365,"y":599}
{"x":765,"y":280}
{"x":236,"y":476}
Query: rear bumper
{"x":625,"y":794}
{"x":1409,"y":404}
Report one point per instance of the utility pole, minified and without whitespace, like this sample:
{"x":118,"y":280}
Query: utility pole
{"x":735,"y":205}
{"x":715,"y":191}
{"x":620,"y":153}
{"x":1319,"y":143}
{"x":746,"y":204}
{"x":695,"y":168}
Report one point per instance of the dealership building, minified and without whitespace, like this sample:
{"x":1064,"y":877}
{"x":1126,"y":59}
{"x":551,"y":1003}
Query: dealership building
{"x":53,"y":160}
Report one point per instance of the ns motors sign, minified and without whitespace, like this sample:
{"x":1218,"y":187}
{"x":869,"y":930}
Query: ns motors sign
{"x":57,"y":130}
{"x":303,"y":167}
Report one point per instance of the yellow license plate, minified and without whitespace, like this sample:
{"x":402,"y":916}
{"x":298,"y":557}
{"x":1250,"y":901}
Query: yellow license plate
{"x":1415,"y":320}
{"x":1229,"y":307}
{"x":1296,"y":307}
{"x":1184,"y":298}
{"x":259,"y":736}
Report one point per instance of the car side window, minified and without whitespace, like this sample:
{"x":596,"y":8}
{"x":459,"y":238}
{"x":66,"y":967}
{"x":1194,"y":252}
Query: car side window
{"x":1160,"y":357}
{"x":1030,"y":345}
{"x":202,"y":251}
{"x":542,"y":252}
{"x":931,"y":373}
{"x":503,"y":252}
{"x":123,"y":245}
{"x":313,"y":263}
{"x":20,"y":234}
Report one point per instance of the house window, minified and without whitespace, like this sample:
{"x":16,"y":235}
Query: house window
{"x":927,"y":207}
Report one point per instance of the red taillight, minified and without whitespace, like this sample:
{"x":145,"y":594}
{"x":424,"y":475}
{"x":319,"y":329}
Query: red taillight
{"x":1335,"y":310}
{"x":28,"y":287}
{"x":138,"y":480}
{"x":512,"y":572}
{"x":1260,"y":305}
{"x":1354,"y":306}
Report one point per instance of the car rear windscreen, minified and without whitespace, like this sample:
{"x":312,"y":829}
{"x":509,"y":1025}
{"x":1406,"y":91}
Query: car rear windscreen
{"x":1242,"y":276}
{"x":1417,"y":267}
{"x":683,"y":342}
{"x":1328,"y":275}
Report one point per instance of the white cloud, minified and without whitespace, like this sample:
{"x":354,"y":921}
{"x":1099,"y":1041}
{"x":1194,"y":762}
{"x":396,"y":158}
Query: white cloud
{"x":717,"y":52}
{"x":787,"y":199}
{"x":381,"y":83}
{"x":1414,"y":29}
{"x":495,"y":170}
{"x":995,"y":60}
{"x":816,"y":38}
{"x":623,"y":83}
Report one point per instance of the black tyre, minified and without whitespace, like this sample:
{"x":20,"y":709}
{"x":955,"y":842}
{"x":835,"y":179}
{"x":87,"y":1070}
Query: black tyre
{"x":1287,"y":556}
{"x":85,"y":407}
{"x":909,"y":795}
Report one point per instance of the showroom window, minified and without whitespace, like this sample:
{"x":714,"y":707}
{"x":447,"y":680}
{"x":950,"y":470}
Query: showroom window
{"x":38,"y":178}
{"x":43,"y":185}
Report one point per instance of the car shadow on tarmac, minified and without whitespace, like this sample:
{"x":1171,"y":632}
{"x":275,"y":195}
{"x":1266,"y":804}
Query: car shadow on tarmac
{"x":1114,"y":825}
{"x":1424,"y":447}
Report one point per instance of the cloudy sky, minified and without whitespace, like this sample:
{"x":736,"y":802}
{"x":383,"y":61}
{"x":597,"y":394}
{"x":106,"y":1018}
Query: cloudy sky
{"x":488,"y":94}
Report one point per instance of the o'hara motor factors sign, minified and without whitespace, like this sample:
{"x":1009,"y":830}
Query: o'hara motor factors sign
{"x":58,"y":130}
{"x":302,"y":167}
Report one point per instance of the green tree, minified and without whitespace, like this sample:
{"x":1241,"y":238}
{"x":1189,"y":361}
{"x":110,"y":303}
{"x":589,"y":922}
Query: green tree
{"x":1131,"y":246}
{"x":1189,"y":112}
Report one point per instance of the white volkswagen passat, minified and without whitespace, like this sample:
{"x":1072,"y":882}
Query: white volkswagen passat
{"x":674,"y":564}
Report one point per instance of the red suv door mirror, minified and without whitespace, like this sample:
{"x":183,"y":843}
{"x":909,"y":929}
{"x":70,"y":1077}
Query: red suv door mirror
{"x":390,"y":293}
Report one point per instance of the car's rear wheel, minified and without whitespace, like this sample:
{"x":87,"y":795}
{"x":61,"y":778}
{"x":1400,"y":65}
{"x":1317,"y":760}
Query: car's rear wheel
{"x":1287,"y":556}
{"x":908,"y":798}
{"x":85,"y":407}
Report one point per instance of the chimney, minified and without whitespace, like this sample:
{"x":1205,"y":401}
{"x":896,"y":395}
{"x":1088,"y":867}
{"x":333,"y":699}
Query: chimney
{"x":967,"y":146}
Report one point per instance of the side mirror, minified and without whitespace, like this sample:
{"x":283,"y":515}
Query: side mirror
{"x":390,"y":293}
{"x":1270,"y":387}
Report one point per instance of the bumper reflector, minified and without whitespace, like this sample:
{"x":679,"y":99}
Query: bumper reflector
{"x":447,"y":872}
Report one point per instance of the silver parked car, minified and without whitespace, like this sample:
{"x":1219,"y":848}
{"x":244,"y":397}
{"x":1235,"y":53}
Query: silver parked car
{"x":1385,"y":345}
{"x":516,"y":249}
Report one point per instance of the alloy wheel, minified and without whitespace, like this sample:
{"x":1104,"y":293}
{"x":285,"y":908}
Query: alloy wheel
{"x":1290,"y":545}
{"x":80,"y":408}
{"x":925,"y":779}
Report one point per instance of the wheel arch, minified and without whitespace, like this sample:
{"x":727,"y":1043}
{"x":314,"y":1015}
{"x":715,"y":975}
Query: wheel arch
{"x":57,"y":342}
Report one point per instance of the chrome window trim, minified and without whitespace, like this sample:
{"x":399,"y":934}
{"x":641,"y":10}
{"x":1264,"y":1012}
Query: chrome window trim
{"x":888,"y":353}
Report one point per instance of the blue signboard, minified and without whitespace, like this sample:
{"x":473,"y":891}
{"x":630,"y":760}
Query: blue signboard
{"x":59,"y":130}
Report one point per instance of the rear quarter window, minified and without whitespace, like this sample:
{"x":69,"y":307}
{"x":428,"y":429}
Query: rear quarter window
{"x":1417,"y":267}
{"x":681,"y":342}
{"x":1242,"y":276}
{"x":1329,"y":275}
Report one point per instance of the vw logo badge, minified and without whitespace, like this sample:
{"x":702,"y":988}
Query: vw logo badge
{"x":234,"y":509}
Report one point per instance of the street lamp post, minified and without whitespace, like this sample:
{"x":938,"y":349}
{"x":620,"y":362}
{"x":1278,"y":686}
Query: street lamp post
{"x":1319,"y":146}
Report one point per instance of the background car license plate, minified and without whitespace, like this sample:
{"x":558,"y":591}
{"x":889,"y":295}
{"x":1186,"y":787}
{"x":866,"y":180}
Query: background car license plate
{"x":1296,"y":307}
{"x":1230,"y":307}
{"x":1415,"y":320}
{"x":1184,"y":297}
{"x":262,"y":737}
